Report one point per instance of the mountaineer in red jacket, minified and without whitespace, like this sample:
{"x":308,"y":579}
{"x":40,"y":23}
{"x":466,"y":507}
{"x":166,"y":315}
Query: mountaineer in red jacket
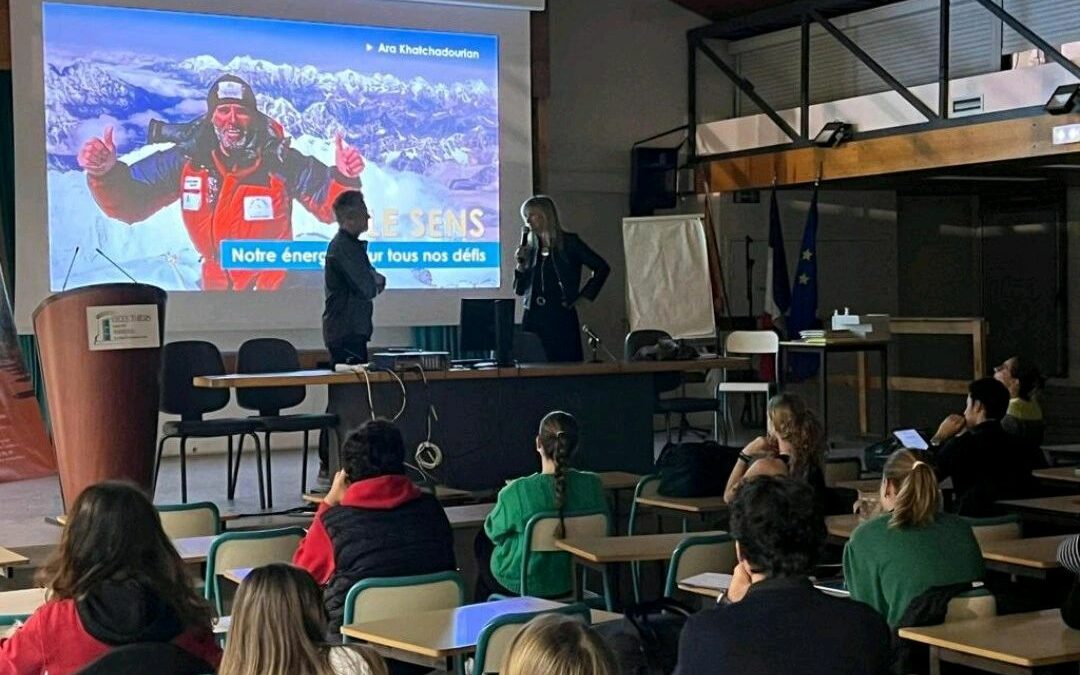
{"x":234,"y":174}
{"x":114,"y":580}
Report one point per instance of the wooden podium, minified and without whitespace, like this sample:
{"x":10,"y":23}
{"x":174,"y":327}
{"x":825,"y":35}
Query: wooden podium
{"x":100,"y":350}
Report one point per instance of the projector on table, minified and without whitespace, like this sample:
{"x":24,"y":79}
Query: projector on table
{"x":410,"y":360}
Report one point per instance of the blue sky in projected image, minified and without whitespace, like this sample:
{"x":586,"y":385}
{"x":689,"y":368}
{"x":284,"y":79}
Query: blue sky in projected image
{"x":79,"y":30}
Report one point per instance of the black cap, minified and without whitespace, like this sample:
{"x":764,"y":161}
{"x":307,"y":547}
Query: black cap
{"x":230,"y":89}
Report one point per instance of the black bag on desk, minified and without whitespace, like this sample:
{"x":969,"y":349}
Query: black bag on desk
{"x":695,"y":469}
{"x":646,"y":641}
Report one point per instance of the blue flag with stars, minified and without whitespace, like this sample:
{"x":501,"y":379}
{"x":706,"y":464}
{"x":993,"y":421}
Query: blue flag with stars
{"x":804,"y":294}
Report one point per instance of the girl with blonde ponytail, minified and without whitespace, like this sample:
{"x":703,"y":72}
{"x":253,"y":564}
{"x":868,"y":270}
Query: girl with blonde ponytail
{"x":913,"y":546}
{"x":558,"y":488}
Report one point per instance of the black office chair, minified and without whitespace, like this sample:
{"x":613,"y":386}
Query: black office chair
{"x":161,"y":658}
{"x":274,"y":355}
{"x":181,"y":362}
{"x":665,"y":382}
{"x":528,"y":348}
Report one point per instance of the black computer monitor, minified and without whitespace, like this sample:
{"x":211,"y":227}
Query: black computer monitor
{"x":487,"y":325}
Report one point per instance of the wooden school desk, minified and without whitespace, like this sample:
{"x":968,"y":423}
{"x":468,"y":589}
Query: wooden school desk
{"x":868,"y":485}
{"x":21,"y":604}
{"x":1033,"y":557}
{"x":841,"y":527}
{"x":1014,"y":644}
{"x":1058,"y":474}
{"x":193,"y":549}
{"x":695,"y":505}
{"x":707,"y":584}
{"x":637,"y":548}
{"x":433,"y":639}
{"x":1062,"y":510}
{"x":9,"y":560}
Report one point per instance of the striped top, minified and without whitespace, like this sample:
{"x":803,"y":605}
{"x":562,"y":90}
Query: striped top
{"x":1069,"y":554}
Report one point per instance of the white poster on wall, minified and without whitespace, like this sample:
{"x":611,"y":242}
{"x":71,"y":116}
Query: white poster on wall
{"x":667,"y":275}
{"x":122,"y":327}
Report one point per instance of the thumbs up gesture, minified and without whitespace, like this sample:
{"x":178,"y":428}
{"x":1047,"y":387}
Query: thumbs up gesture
{"x":98,"y":155}
{"x":347,"y":159}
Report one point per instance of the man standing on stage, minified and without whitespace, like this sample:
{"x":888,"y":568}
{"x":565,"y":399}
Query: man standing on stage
{"x":351,"y":283}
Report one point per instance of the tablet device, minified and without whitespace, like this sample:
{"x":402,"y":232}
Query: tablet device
{"x":911,"y":439}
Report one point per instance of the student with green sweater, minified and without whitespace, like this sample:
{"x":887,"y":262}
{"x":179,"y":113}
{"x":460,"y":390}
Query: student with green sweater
{"x":892,"y":559}
{"x":557,"y":488}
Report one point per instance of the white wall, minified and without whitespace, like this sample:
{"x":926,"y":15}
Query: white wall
{"x":618,"y":74}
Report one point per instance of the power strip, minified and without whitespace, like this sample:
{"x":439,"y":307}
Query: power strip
{"x":348,"y":368}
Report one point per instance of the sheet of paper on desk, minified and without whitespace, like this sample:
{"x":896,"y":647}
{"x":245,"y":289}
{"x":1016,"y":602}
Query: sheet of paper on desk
{"x":713,"y":580}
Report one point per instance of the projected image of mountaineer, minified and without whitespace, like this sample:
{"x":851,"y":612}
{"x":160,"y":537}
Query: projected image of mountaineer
{"x":234,"y":174}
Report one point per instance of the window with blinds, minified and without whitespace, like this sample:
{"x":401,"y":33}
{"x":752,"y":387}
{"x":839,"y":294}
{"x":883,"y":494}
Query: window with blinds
{"x":1056,"y":21}
{"x":903,"y":38}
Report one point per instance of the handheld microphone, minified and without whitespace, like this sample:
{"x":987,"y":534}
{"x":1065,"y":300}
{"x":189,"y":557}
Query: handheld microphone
{"x":525,"y":230}
{"x":70,"y":266}
{"x":117,"y":266}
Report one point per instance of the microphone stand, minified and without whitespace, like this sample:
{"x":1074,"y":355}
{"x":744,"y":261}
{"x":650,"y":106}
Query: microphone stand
{"x":594,"y":345}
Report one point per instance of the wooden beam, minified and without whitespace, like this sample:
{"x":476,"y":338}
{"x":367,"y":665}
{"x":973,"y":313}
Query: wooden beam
{"x":5,"y":36}
{"x":976,"y":143}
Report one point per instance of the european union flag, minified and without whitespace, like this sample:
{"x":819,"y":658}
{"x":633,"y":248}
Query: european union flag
{"x":804,"y":294}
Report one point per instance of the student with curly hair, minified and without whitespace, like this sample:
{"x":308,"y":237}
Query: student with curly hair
{"x":794,"y":445}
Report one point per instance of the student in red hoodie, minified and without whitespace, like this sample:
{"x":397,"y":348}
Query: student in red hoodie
{"x":114,"y":580}
{"x":374,"y":522}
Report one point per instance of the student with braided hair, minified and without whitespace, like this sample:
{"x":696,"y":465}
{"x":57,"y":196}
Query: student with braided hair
{"x":894,"y":558}
{"x":557,"y":488}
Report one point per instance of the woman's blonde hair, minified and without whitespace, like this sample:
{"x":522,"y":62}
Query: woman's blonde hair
{"x":279,"y":627}
{"x":559,"y":645}
{"x":795,"y":423}
{"x":545,"y":205}
{"x":917,"y":496}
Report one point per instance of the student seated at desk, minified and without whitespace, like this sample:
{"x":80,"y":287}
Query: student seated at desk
{"x":794,"y":444}
{"x":894,"y":558}
{"x":772,"y":621}
{"x":374,"y":521}
{"x":1068,"y":556}
{"x":986,"y":463}
{"x":114,"y":580}
{"x":279,"y":628}
{"x":557,"y":488}
{"x":556,"y":644}
{"x":1024,"y":418}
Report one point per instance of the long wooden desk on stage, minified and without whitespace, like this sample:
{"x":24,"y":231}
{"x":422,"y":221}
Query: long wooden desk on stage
{"x":487,"y":418}
{"x":1016,"y":643}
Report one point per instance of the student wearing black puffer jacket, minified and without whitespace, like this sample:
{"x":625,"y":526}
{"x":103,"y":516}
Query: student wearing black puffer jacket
{"x":374,"y":521}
